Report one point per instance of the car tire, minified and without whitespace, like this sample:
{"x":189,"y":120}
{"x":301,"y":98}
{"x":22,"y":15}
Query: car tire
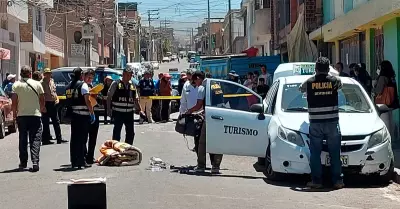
{"x":12,"y":128}
{"x":269,"y":173}
{"x":388,"y":177}
{"x":2,"y":127}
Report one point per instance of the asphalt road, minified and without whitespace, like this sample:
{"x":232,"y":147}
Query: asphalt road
{"x":239,"y":186}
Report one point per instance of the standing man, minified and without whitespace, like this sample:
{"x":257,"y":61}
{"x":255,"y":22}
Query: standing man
{"x":8,"y":86}
{"x":107,"y":83}
{"x":27,"y":104}
{"x":123,"y":96}
{"x":322,"y":97}
{"x":217,"y":99}
{"x":51,"y":99}
{"x":264,"y":74}
{"x":88,"y":76}
{"x":165,"y":90}
{"x":77,"y":94}
{"x":339,"y":68}
{"x":146,"y":86}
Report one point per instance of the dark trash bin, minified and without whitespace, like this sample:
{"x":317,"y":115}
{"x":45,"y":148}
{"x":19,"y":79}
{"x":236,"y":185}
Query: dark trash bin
{"x":87,"y":196}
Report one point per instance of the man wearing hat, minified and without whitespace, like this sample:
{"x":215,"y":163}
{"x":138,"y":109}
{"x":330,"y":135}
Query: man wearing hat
{"x":233,"y":76}
{"x":122,"y":95}
{"x":51,"y":99}
{"x":8,"y":86}
{"x":146,"y":87}
{"x":165,"y":90}
{"x":107,"y":83}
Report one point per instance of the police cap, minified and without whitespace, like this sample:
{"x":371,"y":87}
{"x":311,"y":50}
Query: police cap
{"x":128,"y":69}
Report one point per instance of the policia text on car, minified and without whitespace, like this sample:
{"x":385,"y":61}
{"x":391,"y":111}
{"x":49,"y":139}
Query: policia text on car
{"x":121,"y":99}
{"x":322,"y":97}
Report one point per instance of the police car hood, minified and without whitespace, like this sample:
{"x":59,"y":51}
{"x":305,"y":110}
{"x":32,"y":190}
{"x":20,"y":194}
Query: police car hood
{"x":350,"y":123}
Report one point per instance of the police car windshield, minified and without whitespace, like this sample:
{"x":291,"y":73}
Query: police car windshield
{"x":351,"y":99}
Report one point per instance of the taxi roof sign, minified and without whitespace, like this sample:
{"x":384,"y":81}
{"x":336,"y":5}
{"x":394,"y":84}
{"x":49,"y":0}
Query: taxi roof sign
{"x":299,"y":69}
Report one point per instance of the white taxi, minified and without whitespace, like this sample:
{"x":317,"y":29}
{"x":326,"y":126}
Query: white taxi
{"x":277,"y":128}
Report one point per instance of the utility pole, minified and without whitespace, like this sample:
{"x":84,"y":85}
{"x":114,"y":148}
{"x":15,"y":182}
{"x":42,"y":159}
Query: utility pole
{"x":191,"y":41}
{"x":88,"y":48}
{"x":230,"y":26}
{"x":150,"y":16}
{"x":102,"y":33}
{"x":65,"y":31}
{"x":166,"y":23}
{"x":209,"y":27}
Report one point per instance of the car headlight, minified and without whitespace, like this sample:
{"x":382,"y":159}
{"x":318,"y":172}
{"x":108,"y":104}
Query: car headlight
{"x":290,"y":136}
{"x":378,"y":137}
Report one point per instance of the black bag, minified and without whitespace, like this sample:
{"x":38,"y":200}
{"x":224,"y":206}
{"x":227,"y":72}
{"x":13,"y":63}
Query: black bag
{"x":189,"y":125}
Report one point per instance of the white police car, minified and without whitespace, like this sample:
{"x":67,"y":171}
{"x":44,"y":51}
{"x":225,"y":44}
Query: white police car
{"x":277,"y":128}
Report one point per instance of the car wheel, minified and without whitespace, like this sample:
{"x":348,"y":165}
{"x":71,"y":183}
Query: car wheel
{"x":12,"y":128}
{"x":269,"y":172}
{"x":385,"y":179}
{"x":2,"y":127}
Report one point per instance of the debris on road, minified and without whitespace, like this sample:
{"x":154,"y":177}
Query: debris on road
{"x":115,"y":153}
{"x":157,"y":164}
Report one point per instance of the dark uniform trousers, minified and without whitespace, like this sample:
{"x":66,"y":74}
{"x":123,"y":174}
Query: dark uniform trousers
{"x":91,"y":144}
{"x":201,"y":151}
{"x":79,"y":134}
{"x":120,"y":119}
{"x":52,"y":113}
{"x":29,"y":127}
{"x":123,"y":104}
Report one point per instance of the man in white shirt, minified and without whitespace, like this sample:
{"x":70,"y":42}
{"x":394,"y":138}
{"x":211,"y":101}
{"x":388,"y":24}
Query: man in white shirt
{"x":264,"y":74}
{"x":188,"y":93}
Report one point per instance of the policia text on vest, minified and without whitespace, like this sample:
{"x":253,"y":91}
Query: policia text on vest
{"x":322,"y":97}
{"x":122,"y":98}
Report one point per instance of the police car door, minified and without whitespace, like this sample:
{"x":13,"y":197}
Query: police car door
{"x":231,"y":127}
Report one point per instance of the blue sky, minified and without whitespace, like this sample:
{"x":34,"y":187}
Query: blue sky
{"x":183,"y":14}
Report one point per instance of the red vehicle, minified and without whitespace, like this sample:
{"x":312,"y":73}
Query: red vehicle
{"x":6,"y":116}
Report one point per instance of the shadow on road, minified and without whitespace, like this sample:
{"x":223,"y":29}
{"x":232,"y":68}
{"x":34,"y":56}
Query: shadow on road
{"x":66,"y":168}
{"x":298,"y":182}
{"x":15,"y":170}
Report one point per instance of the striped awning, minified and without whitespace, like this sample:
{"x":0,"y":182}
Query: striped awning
{"x":4,"y":54}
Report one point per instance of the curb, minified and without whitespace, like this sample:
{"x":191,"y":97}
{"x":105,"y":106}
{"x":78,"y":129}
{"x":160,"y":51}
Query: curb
{"x":396,"y":176}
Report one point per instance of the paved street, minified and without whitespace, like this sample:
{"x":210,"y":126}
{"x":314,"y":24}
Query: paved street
{"x":239,"y":187}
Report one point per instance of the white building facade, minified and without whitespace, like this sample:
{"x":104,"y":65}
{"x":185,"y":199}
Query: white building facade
{"x":11,"y":15}
{"x":33,"y":35}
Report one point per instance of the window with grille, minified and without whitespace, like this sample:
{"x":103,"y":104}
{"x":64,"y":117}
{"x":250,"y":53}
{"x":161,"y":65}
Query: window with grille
{"x":39,"y":20}
{"x":4,"y":24}
{"x":266,"y":4}
{"x":12,"y":36}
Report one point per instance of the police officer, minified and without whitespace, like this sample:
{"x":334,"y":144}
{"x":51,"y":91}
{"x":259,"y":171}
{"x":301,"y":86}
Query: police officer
{"x":217,"y":100}
{"x":146,"y":87}
{"x":77,"y":93}
{"x":322,"y":97}
{"x":122,"y":97}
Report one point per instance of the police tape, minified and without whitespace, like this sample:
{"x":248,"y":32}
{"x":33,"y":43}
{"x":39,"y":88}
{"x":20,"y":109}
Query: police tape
{"x":179,"y":97}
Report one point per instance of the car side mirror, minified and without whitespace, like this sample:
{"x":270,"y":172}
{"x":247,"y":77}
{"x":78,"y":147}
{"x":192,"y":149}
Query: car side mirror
{"x":382,"y":108}
{"x":258,"y":108}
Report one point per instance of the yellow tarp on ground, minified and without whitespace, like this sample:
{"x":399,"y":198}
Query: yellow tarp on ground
{"x":115,"y":153}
